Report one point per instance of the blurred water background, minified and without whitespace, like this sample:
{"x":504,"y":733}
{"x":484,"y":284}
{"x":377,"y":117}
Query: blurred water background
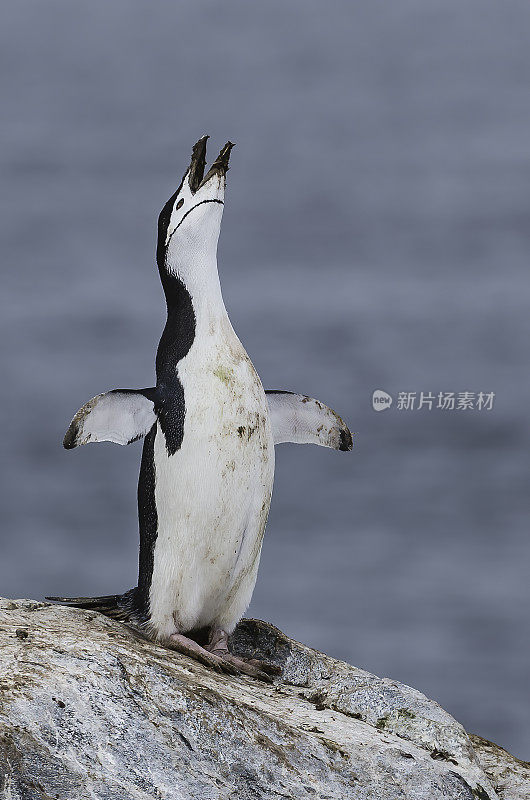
{"x":376,"y":235}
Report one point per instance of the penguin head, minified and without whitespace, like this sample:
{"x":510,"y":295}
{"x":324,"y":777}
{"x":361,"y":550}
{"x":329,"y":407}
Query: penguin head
{"x":190,"y":222}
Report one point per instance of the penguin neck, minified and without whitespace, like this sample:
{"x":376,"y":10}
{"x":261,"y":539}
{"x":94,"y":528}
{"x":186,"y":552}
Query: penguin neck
{"x":192,"y":288}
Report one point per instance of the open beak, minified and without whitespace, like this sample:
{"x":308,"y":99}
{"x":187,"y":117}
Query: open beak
{"x":198,"y":164}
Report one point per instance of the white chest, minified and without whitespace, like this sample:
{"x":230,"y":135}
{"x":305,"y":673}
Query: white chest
{"x":213,"y":495}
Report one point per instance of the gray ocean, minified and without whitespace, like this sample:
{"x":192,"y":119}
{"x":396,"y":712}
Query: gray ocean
{"x":376,"y":235}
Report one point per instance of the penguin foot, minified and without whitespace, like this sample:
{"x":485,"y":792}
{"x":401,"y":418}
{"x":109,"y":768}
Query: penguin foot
{"x":253,"y":667}
{"x":218,"y":646}
{"x":188,"y":647}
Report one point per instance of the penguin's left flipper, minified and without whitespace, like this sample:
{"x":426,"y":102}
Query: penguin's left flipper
{"x":120,"y":416}
{"x":304,"y":420}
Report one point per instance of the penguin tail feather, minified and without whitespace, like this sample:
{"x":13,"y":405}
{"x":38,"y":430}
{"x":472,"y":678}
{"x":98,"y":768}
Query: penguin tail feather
{"x":115,"y":606}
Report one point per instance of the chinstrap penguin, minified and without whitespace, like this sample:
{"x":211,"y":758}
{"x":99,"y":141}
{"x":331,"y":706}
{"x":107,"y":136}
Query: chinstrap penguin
{"x":209,"y":432}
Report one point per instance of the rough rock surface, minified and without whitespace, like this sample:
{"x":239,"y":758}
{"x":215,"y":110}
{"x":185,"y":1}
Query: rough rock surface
{"x":90,"y":710}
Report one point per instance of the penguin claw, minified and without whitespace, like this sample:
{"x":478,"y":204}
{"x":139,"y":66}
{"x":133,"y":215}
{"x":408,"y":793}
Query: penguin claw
{"x":271,"y":669}
{"x":252,"y":667}
{"x":224,"y":667}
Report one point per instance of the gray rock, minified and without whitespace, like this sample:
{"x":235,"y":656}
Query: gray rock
{"x":90,"y":710}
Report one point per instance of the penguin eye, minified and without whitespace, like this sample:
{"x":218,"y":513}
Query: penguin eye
{"x":180,"y":203}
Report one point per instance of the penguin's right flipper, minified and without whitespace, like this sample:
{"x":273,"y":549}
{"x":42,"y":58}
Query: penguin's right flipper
{"x":120,"y":416}
{"x":304,"y":420}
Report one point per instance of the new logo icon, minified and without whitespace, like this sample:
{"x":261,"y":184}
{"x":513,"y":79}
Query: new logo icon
{"x":381,"y":400}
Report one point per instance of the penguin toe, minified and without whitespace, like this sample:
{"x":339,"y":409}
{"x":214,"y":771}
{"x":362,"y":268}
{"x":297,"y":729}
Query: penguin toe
{"x":189,"y":647}
{"x":252,"y":668}
{"x":270,"y":669}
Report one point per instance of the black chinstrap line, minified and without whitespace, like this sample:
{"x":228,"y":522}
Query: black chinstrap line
{"x":221,"y":203}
